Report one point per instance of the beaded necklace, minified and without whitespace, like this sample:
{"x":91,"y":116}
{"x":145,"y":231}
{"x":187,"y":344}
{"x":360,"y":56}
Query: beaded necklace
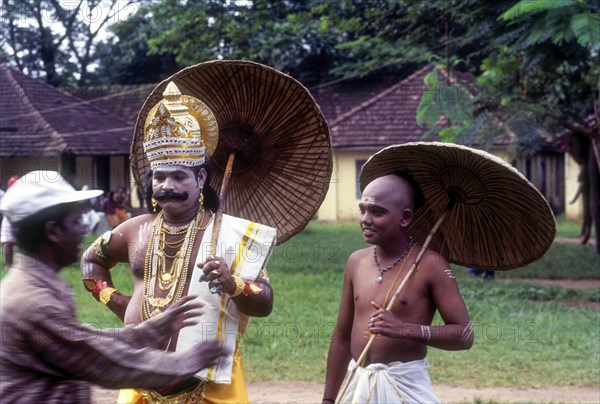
{"x":379,"y":279}
{"x":173,"y":280}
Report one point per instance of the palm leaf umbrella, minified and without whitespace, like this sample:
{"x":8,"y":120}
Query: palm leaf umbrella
{"x":273,"y":159}
{"x":496,"y":220}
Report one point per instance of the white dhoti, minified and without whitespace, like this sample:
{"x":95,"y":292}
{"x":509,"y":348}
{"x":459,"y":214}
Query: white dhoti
{"x":396,"y":382}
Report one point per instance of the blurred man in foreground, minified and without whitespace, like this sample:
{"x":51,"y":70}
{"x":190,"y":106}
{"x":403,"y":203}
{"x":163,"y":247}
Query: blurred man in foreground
{"x":46,"y":355}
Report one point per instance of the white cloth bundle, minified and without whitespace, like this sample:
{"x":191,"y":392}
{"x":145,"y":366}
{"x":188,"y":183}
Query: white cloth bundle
{"x":246,"y":247}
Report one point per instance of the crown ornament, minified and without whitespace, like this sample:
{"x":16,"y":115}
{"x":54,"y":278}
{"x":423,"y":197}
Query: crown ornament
{"x":179,"y":130}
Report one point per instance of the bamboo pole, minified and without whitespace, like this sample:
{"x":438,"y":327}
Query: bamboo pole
{"x":363,"y":355}
{"x":219,"y":213}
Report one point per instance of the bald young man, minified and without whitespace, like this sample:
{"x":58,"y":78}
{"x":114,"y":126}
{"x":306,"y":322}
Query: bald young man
{"x":395,"y":369}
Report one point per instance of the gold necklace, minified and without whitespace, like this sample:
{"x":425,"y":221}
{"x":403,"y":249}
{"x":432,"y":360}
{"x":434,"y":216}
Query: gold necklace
{"x":168,"y":277}
{"x":207,"y":223}
{"x":155,"y":263}
{"x":172,"y":230}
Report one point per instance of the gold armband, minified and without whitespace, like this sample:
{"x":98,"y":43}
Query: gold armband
{"x":100,"y":245}
{"x":105,"y":295}
{"x":239,"y":286}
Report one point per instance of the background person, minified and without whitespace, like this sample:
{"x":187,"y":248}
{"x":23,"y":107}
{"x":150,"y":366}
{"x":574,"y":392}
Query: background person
{"x":487,"y":275}
{"x":113,"y":208}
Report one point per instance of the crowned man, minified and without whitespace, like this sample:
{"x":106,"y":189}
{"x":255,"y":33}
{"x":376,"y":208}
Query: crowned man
{"x":171,"y":253}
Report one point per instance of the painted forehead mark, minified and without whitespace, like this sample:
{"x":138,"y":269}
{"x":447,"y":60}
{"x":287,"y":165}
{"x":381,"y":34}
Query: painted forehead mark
{"x":367,"y":199}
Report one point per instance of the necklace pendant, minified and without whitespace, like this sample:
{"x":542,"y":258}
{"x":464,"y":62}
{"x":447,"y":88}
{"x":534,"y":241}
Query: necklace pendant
{"x":166,"y":277}
{"x":379,"y":279}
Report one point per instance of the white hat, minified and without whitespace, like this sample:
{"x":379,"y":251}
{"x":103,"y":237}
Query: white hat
{"x":38,"y":190}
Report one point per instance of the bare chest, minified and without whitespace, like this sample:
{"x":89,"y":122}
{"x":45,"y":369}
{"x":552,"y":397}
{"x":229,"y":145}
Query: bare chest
{"x":372,"y":285}
{"x":162,"y":267}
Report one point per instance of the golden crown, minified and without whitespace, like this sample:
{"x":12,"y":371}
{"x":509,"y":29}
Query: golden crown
{"x":179,"y":130}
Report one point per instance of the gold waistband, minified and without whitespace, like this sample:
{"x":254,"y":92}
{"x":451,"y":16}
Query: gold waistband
{"x":194,"y":394}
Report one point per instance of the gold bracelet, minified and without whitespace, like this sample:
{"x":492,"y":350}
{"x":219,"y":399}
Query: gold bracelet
{"x":105,"y":295}
{"x":239,"y":286}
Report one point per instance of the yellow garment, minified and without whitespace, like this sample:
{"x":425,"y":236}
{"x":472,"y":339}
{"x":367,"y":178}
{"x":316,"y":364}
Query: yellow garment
{"x":214,"y":393}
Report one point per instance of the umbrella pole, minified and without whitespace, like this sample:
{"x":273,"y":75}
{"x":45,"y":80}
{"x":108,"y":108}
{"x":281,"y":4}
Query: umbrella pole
{"x":219,"y":213}
{"x":363,"y":355}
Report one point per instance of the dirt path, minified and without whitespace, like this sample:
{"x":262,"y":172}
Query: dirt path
{"x":564,"y":283}
{"x":306,"y":392}
{"x":283,"y":392}
{"x":573,"y":240}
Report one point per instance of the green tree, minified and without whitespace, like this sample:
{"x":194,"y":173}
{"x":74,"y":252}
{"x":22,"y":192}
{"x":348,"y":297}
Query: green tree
{"x":540,"y":77}
{"x":288,"y":35}
{"x":316,"y":40}
{"x":57,"y":40}
{"x":396,"y":37}
{"x":125,"y":57}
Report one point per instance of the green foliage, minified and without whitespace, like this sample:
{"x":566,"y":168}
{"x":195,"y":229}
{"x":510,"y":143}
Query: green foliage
{"x":312,"y":40}
{"x":441,"y":99}
{"x":587,"y":29}
{"x":539,"y":76}
{"x":528,"y":7}
{"x":56,"y":40}
{"x":125,"y":57}
{"x":429,"y":111}
{"x":560,"y":21}
{"x":292,"y":36}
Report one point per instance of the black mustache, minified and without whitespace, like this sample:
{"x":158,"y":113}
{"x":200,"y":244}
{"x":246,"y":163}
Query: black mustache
{"x":171,"y":195}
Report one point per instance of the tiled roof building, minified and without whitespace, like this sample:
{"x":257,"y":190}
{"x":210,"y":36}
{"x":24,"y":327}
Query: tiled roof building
{"x":371,"y":114}
{"x":42,"y":121}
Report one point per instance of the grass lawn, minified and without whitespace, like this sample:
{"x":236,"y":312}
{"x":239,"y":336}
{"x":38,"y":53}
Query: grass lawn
{"x":567,"y":228}
{"x":525,"y":334}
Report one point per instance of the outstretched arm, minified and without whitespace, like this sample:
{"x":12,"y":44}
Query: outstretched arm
{"x":104,"y":253}
{"x":105,"y":357}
